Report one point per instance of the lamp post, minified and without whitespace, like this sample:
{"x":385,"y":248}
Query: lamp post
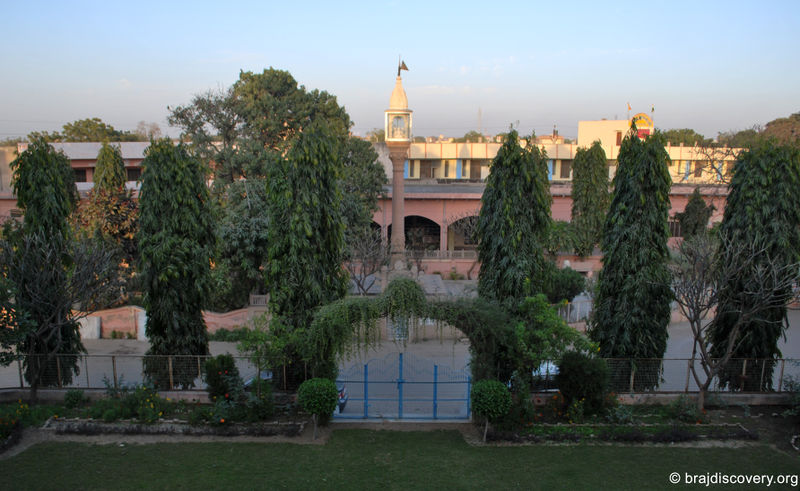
{"x":398,"y":139}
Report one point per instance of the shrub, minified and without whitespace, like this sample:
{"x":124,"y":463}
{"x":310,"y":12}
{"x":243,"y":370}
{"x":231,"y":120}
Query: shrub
{"x":74,"y":398}
{"x":582,"y":377}
{"x":110,"y":415}
{"x":222,"y":377}
{"x":491,"y":400}
{"x":564,"y":284}
{"x":685,"y":409}
{"x":576,"y":411}
{"x":318,"y":396}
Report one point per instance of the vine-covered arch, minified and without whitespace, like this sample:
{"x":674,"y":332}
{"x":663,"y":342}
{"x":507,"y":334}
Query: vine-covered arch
{"x":501,"y":340}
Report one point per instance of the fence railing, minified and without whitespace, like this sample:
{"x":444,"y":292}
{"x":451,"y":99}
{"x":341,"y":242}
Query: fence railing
{"x":575,"y":311}
{"x":184,"y":372}
{"x":437,"y":254}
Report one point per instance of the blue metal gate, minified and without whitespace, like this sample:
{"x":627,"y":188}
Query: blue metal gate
{"x":402,"y":386}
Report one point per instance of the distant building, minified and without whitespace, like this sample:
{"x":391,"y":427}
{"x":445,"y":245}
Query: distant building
{"x":444,"y":182}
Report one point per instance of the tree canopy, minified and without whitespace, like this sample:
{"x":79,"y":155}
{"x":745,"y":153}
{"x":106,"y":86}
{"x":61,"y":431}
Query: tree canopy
{"x":88,"y":130}
{"x":694,"y":218}
{"x":50,"y":275}
{"x":762,"y":211}
{"x":514,"y":223}
{"x":686,"y":136}
{"x":590,"y":197}
{"x":109,"y":171}
{"x":471,"y":136}
{"x":632,"y":306}
{"x":175,"y":243}
{"x":245,"y":131}
{"x":44,"y":184}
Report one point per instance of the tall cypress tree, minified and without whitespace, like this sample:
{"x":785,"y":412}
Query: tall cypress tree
{"x":44,"y":184}
{"x":632,"y":307}
{"x":109,"y":172}
{"x":513,"y":224}
{"x":762,"y":214}
{"x":306,"y":234}
{"x":175,"y":243}
{"x":694,"y":218}
{"x":590,"y":197}
{"x":110,"y":211}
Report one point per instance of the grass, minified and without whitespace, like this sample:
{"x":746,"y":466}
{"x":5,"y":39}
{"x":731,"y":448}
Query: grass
{"x":364,"y":459}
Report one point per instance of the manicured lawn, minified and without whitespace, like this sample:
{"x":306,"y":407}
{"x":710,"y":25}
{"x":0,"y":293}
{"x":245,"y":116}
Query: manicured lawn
{"x":364,"y":459}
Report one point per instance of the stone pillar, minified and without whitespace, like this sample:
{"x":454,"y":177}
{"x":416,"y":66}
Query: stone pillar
{"x":398,"y":154}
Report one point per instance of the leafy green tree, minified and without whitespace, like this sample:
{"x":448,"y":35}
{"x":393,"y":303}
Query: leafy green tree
{"x":175,"y":242}
{"x":762,"y":211}
{"x":741,"y":139}
{"x":471,"y":136}
{"x":694,"y":218}
{"x":514,"y":223}
{"x":44,"y":184}
{"x":376,"y":135}
{"x":785,"y":130}
{"x":590,"y":197}
{"x":306,"y":233}
{"x":632,"y":306}
{"x":686,"y":136}
{"x":229,"y":130}
{"x":490,"y":400}
{"x":361,"y":181}
{"x":109,"y":171}
{"x":51,"y":277}
{"x":111,"y":212}
{"x":86,"y":130}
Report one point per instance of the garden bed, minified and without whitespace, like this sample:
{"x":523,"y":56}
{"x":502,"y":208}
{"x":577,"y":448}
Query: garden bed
{"x":173,"y":427}
{"x":626,"y":433}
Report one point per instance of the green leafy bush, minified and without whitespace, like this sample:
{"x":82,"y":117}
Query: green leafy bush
{"x":582,"y":377}
{"x":491,"y":400}
{"x":685,"y":409}
{"x":74,"y":398}
{"x":222,"y":377}
{"x":564,"y":284}
{"x":318,"y":396}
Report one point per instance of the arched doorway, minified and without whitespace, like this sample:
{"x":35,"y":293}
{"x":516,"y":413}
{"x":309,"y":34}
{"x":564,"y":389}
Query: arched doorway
{"x":422,"y":234}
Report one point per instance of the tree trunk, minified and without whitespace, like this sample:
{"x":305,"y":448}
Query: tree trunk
{"x":314,"y":418}
{"x":485,"y":430}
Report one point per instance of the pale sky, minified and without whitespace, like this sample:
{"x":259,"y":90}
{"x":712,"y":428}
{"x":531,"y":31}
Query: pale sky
{"x":708,"y":65}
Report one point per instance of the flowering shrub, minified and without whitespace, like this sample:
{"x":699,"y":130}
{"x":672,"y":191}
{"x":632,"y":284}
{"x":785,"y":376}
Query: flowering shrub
{"x":222,"y":378}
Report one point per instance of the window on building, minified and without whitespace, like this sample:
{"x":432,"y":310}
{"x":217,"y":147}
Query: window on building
{"x":133,"y":174}
{"x":698,"y":168}
{"x":619,"y":138}
{"x":566,"y":169}
{"x":446,"y":169}
{"x":674,"y":228}
{"x":80,"y":175}
{"x":464,"y":169}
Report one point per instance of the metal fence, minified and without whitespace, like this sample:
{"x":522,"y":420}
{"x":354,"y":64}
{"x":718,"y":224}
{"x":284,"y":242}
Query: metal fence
{"x":106,"y":371}
{"x":575,"y":311}
{"x":177,"y":372}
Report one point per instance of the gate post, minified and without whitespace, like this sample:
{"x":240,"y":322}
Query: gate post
{"x":366,"y":391}
{"x":400,"y":389}
{"x":435,"y":385}
{"x":469,"y":395}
